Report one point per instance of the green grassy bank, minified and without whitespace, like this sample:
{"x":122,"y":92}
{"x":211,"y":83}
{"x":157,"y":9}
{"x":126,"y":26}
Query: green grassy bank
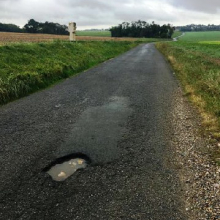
{"x":197,"y":65}
{"x":25,"y":68}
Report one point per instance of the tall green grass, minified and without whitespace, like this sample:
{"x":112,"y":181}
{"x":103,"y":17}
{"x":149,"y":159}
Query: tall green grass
{"x":25,"y":68}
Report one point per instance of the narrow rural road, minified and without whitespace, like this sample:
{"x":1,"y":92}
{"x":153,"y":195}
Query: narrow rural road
{"x":118,"y":115}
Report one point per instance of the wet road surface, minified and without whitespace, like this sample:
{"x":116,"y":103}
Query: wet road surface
{"x":115,"y":114}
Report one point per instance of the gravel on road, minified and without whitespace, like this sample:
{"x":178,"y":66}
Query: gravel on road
{"x":199,"y":175}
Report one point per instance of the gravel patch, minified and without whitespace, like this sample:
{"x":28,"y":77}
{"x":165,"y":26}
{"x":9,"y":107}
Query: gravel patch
{"x":200,"y":177}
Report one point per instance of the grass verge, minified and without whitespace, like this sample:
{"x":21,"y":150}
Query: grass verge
{"x":198,"y":68}
{"x":26,"y":68}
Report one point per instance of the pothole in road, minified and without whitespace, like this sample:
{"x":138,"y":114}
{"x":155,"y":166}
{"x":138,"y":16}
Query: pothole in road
{"x":66,"y":166}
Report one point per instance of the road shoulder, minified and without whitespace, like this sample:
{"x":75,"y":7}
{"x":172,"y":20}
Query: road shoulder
{"x":198,"y":174}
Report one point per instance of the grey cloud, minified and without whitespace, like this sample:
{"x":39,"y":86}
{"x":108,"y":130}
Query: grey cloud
{"x":91,"y":4}
{"x":93,"y":13}
{"x":211,"y":6}
{"x":147,"y":13}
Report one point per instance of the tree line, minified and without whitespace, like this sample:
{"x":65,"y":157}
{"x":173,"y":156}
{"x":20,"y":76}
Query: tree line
{"x":33,"y":26}
{"x":47,"y":28}
{"x":142,"y":29}
{"x":199,"y":27}
{"x":10,"y":28}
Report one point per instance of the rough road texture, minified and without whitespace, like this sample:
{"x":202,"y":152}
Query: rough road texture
{"x":117,"y":114}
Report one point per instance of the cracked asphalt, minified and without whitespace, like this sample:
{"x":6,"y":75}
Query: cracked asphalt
{"x":116,"y":114}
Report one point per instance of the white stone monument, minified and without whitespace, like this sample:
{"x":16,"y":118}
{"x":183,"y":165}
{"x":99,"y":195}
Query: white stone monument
{"x":72,"y":30}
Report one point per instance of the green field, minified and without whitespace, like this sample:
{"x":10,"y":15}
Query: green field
{"x":26,"y":68}
{"x":209,"y":42}
{"x":177,"y":34}
{"x":196,"y":60}
{"x":94,"y":33}
{"x":201,"y":36}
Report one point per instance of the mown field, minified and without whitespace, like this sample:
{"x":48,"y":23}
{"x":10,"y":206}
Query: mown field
{"x":196,"y":61}
{"x":94,"y":33}
{"x":7,"y":38}
{"x":25,"y":68}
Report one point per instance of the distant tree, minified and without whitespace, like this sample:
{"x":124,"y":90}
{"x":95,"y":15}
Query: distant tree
{"x":142,"y":29}
{"x":10,"y":28}
{"x":199,"y":27}
{"x":32,"y":26}
{"x":166,"y":31}
{"x":47,"y":28}
{"x":53,"y":28}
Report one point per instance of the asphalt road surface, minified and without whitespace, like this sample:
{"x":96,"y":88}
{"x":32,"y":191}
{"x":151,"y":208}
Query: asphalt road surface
{"x":117,"y":115}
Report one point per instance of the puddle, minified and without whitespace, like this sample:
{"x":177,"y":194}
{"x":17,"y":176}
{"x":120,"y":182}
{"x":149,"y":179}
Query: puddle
{"x":65,"y":167}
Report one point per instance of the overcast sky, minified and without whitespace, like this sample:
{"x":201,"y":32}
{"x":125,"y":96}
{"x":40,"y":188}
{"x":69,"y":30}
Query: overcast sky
{"x":107,"y":13}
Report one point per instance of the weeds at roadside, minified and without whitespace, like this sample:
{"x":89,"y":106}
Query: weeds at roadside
{"x":199,"y":72}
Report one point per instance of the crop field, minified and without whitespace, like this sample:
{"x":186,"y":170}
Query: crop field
{"x":196,"y":61}
{"x":94,"y":33}
{"x":201,"y":36}
{"x":7,"y":37}
{"x":209,"y":42}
